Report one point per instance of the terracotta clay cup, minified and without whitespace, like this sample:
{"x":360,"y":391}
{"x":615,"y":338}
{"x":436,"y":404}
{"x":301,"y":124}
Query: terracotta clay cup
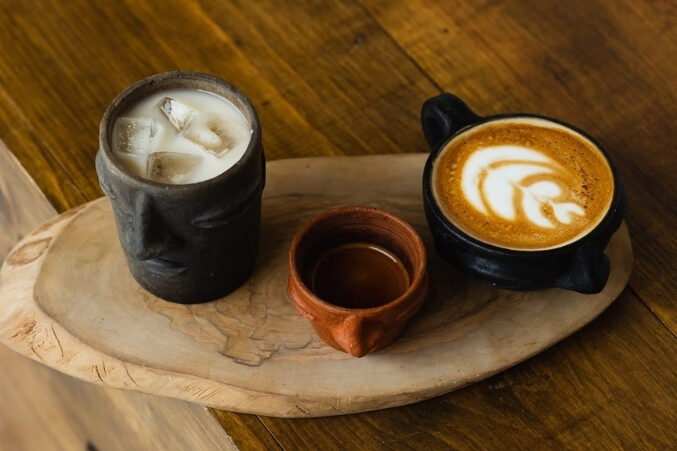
{"x":357,"y":331}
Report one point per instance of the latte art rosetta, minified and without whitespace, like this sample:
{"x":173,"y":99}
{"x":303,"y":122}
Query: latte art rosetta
{"x":494,"y":181}
{"x":522,"y":183}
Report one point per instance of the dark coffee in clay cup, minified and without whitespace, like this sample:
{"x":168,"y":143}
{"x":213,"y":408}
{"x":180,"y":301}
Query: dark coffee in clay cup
{"x":519,"y":200}
{"x":358,"y":274}
{"x":185,"y":239}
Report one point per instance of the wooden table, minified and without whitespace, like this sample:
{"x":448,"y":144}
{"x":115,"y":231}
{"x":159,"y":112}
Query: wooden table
{"x":348,"y":78}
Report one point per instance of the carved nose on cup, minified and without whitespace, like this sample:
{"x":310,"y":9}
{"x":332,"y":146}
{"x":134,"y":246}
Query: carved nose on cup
{"x":145,"y":240}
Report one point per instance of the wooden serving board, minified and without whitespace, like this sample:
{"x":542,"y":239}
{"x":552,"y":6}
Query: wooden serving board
{"x":68,"y":300}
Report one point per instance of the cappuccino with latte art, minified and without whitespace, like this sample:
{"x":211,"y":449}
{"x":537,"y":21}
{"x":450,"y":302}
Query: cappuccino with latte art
{"x":518,"y":200}
{"x":523,"y":183}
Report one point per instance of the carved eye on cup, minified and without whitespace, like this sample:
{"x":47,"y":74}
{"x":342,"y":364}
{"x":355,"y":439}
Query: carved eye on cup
{"x":221,"y":215}
{"x":216,"y":217}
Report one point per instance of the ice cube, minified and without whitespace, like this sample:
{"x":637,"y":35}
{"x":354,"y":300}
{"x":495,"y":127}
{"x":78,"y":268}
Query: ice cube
{"x":210,"y":136}
{"x":179,"y":115}
{"x":171,"y":167}
{"x":134,"y":134}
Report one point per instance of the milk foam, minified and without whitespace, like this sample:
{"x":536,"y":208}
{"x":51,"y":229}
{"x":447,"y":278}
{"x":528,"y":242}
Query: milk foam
{"x":522,"y":183}
{"x":493,"y":176}
{"x":166,"y":138}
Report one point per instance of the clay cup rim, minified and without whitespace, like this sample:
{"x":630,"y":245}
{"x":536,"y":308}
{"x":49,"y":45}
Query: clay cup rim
{"x":370,"y":215}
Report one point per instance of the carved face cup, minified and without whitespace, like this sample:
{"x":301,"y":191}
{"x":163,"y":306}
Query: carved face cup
{"x":194,"y":242}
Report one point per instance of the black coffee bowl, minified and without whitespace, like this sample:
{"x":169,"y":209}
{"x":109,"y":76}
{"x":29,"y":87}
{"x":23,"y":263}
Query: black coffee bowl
{"x":579,"y":266}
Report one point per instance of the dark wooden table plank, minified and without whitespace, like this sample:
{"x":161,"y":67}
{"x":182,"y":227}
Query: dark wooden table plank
{"x":349,"y":78}
{"x":608,"y":67}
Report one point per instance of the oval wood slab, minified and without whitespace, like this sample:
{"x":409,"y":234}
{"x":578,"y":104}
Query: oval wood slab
{"x":68,"y":300}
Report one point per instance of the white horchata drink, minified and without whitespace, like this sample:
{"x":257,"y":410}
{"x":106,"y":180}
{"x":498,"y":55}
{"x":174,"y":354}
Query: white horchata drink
{"x":181,"y":136}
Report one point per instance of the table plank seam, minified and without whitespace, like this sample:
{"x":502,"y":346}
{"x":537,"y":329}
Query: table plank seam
{"x":648,"y":307}
{"x":24,"y":173}
{"x":397,"y":44}
{"x":42,"y":145}
{"x":277,"y":440}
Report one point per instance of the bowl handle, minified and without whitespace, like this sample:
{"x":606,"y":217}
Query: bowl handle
{"x":588,"y":271}
{"x":444,"y":115}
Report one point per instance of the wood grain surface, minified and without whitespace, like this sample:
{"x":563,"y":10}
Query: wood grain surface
{"x":349,"y":77}
{"x":68,"y":300}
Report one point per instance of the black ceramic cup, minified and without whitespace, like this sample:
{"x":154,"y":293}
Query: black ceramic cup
{"x":580,"y":265}
{"x":194,"y":242}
